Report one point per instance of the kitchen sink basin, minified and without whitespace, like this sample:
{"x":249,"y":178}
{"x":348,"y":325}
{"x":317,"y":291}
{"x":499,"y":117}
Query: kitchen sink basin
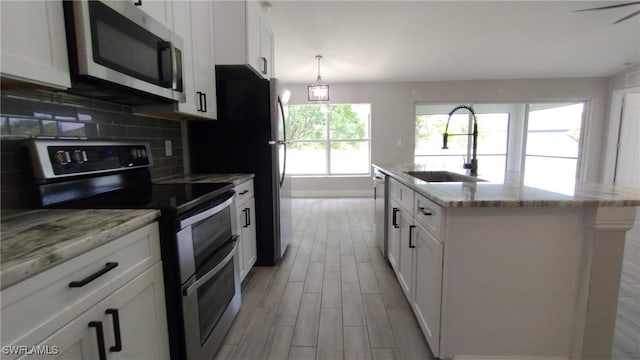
{"x":441,"y":176}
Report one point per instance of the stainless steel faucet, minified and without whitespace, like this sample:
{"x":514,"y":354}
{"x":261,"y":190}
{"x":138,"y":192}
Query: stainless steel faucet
{"x":473,"y":165}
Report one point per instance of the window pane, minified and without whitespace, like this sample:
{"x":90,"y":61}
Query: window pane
{"x":350,"y":157}
{"x":429,"y":130}
{"x":554,"y":130}
{"x":307,"y":122}
{"x":435,"y":162}
{"x":349,"y":121}
{"x":551,"y":174}
{"x":306,"y":158}
{"x":493,"y":133}
{"x":492,"y":167}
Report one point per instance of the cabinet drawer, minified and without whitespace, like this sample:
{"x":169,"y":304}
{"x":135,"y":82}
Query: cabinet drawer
{"x":428,"y":214}
{"x":402,"y":194}
{"x":38,"y":306}
{"x":244,"y":192}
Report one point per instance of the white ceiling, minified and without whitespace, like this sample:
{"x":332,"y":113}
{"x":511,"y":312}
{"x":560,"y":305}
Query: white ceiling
{"x":372,"y":41}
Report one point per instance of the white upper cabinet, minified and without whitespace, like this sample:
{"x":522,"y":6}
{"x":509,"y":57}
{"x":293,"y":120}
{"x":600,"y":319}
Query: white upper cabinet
{"x":34,"y":47}
{"x":193,"y":22}
{"x":243,"y":36}
{"x":160,"y":10}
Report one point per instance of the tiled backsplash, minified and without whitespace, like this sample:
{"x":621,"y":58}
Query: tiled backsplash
{"x":28,"y":114}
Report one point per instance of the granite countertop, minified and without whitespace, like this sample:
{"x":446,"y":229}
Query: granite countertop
{"x":511,"y":193}
{"x":35,"y":240}
{"x":236,"y":179}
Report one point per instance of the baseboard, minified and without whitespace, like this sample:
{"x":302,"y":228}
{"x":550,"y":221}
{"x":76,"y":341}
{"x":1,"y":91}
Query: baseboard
{"x":331,"y":193}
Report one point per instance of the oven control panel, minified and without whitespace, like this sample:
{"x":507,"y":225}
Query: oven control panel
{"x":58,"y":158}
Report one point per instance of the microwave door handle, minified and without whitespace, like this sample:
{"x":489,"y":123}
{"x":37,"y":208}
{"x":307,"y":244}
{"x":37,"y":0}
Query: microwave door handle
{"x":174,"y":67}
{"x":164,"y":46}
{"x":193,"y":287}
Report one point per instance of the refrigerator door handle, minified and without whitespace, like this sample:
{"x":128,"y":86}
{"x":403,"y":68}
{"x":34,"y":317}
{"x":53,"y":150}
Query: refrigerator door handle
{"x":284,"y":140}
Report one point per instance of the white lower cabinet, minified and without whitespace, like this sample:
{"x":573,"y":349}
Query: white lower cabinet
{"x":246,"y":215}
{"x":129,"y":324}
{"x":427,"y":300}
{"x":416,"y":255}
{"x":393,"y":236}
{"x":69,"y":311}
{"x":406,"y":256}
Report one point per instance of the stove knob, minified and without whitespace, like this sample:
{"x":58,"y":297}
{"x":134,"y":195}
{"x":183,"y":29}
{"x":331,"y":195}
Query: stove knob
{"x":79,"y":156}
{"x":61,"y":157}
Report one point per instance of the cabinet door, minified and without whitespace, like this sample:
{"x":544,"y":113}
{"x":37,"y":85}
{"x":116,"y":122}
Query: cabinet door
{"x":247,"y":223}
{"x":141,"y":311}
{"x":406,"y":253}
{"x":143,"y":326}
{"x":428,"y":285}
{"x":266,"y":49}
{"x":34,"y":47}
{"x":393,"y":235}
{"x":254,"y":27}
{"x":160,"y":10}
{"x":203,"y":58}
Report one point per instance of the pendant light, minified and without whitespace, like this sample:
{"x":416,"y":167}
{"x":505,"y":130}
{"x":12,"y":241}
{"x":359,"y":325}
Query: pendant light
{"x":318,"y":91}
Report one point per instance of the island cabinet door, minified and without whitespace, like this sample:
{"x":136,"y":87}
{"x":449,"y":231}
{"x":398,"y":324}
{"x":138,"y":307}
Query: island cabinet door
{"x":407,"y":253}
{"x":393,"y":235}
{"x":428,"y":285}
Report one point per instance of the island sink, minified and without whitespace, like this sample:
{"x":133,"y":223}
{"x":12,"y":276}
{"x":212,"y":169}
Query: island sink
{"x":442,"y":176}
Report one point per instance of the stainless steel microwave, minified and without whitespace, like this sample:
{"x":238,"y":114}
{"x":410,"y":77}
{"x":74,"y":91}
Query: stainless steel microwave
{"x":119,"y":53}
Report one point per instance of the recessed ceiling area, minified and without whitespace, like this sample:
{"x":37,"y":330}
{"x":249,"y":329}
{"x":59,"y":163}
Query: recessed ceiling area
{"x":380,"y":41}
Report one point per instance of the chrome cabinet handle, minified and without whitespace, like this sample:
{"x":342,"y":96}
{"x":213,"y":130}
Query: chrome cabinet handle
{"x":107,"y":267}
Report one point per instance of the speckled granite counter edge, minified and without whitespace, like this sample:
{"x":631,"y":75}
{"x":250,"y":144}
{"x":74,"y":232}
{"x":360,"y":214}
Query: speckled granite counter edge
{"x":567,"y":201}
{"x":235,"y":178}
{"x":14,"y":271}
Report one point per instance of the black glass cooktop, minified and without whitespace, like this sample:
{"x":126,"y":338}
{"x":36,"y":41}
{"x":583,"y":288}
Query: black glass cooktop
{"x":175,"y":198}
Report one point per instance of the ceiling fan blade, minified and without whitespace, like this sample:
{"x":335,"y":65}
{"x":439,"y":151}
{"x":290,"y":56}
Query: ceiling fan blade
{"x":635,"y":13}
{"x":611,"y":6}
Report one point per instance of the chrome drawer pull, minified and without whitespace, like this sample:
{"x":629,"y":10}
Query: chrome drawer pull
{"x":107,"y":267}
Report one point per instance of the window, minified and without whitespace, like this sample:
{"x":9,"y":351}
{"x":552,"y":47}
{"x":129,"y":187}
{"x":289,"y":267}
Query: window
{"x":541,"y":141}
{"x":493,"y":128}
{"x":553,"y":142}
{"x":329,"y":139}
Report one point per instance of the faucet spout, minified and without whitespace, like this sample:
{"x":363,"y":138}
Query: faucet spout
{"x":473,"y":164}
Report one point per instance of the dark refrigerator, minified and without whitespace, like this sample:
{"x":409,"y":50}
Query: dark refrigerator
{"x":249,"y":136}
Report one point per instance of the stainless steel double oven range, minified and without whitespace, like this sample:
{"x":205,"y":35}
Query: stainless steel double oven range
{"x":199,"y":235}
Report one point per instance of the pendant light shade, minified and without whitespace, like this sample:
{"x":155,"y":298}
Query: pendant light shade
{"x":318,"y":91}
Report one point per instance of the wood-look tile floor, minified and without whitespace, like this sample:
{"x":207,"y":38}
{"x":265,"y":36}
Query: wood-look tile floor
{"x":333,"y":296}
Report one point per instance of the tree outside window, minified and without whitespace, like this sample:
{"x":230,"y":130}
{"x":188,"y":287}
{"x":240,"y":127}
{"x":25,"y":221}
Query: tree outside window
{"x":329,"y":139}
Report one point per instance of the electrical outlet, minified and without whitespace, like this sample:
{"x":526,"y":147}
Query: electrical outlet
{"x":168,"y":148}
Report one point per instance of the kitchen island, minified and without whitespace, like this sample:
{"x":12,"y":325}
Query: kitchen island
{"x":502,"y":269}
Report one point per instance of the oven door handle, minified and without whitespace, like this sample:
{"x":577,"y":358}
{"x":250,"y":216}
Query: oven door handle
{"x":205,"y":214}
{"x":193,"y":287}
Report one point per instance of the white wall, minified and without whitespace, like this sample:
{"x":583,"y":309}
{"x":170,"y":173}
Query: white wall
{"x":393,"y":113}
